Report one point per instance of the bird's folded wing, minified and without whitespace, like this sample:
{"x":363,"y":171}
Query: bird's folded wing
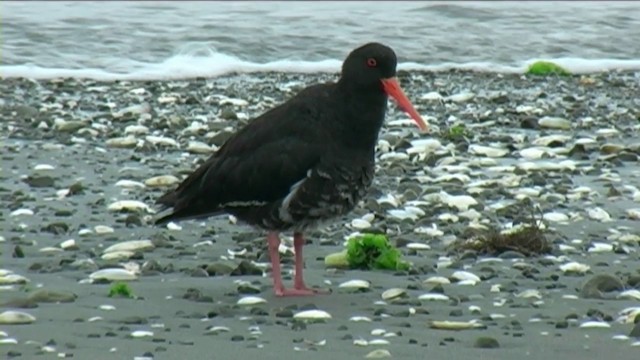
{"x":257,"y":165}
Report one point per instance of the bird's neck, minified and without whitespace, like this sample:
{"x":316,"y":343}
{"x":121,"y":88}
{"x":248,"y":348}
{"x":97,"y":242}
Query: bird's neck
{"x":363,"y":116}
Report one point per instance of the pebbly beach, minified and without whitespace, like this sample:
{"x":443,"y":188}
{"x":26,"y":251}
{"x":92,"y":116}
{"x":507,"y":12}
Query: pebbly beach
{"x":83,"y":162}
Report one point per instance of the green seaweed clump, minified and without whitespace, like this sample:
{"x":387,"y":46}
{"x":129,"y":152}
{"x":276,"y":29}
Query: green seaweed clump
{"x":373,"y":251}
{"x":120,"y":289}
{"x":457,"y":132}
{"x":546,"y":68}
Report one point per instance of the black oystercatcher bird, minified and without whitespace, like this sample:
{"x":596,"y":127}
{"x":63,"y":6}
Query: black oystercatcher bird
{"x":308,"y":160}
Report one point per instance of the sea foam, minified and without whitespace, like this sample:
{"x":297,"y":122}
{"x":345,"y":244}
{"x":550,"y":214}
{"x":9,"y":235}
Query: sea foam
{"x":213,"y":64}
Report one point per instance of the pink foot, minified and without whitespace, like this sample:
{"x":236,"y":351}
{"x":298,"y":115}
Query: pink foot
{"x":299,"y":292}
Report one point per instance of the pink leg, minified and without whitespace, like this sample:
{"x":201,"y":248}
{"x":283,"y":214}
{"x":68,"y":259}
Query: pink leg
{"x":298,"y":280}
{"x":298,"y":243}
{"x":273,"y":239}
{"x":278,"y":288}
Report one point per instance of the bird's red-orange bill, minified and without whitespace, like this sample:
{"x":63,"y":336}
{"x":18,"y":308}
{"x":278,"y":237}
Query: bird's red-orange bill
{"x":393,"y":89}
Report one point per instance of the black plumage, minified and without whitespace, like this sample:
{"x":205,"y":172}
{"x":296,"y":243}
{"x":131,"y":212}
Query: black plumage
{"x":308,"y":160}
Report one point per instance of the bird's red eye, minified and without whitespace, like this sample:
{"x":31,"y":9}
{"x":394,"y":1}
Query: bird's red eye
{"x":371,"y":62}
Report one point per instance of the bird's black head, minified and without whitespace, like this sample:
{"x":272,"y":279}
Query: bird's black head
{"x":371,"y":71}
{"x":368,"y":64}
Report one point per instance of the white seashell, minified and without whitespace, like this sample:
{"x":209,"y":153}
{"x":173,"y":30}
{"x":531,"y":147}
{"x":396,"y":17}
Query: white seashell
{"x":161,"y":140}
{"x":360,"y":342}
{"x":607,"y":132}
{"x":173,"y":226}
{"x":355,"y":284}
{"x":203,"y":243}
{"x":378,"y":332}
{"x":546,"y":140}
{"x":50,"y":249}
{"x":12,"y":317}
{"x":424,"y":146}
{"x":430,"y":96}
{"x":218,"y":329}
{"x":141,"y":333}
{"x":251,"y":300}
{"x":461,"y":97}
{"x":360,"y":319}
{"x":136,"y":130}
{"x":597,"y":247}
{"x":444,"y":263}
{"x":22,"y":212}
{"x":594,"y":324}
{"x":554,"y":123}
{"x":130,"y":205}
{"x":378,"y":342}
{"x":634,"y":214}
{"x":454,"y":325}
{"x":393,"y":293}
{"x":466,"y":283}
{"x":312,"y":315}
{"x":113,"y":274}
{"x":161,"y":181}
{"x":8,"y":341}
{"x":433,"y":297}
{"x":383,"y":146}
{"x":567,"y":248}
{"x":130,"y":184}
{"x":630,"y":294}
{"x":389,"y":199}
{"x":628,"y":315}
{"x":394,"y":156}
{"x":461,"y":202}
{"x":132,"y":245}
{"x":133,"y":109}
{"x":431,"y":231}
{"x":532,"y":153}
{"x":529,"y":293}
{"x":71,"y":243}
{"x":487,"y":151}
{"x":466,"y":276}
{"x":197,"y":147}
{"x":235,"y":102}
{"x":106,"y":307}
{"x":475,"y":309}
{"x":574,"y":267}
{"x":620,"y":337}
{"x":369,"y":217}
{"x":437,"y":280}
{"x":9,"y":278}
{"x":525,"y":109}
{"x":414,"y":210}
{"x":103,"y":229}
{"x":117,"y":255}
{"x":555,"y":217}
{"x":418,"y":246}
{"x":360,"y":224}
{"x":167,"y":99}
{"x":402,"y":214}
{"x":122,"y":142}
{"x":598,"y":214}
{"x":44,"y":167}
{"x":378,"y":354}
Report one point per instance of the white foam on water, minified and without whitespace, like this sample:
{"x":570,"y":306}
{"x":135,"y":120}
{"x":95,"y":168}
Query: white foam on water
{"x":213,"y":64}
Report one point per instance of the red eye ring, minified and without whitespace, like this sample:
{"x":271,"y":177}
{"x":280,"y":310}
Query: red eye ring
{"x":371,"y":62}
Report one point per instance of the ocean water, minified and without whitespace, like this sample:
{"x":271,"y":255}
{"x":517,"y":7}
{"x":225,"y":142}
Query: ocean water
{"x":182,"y":39}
